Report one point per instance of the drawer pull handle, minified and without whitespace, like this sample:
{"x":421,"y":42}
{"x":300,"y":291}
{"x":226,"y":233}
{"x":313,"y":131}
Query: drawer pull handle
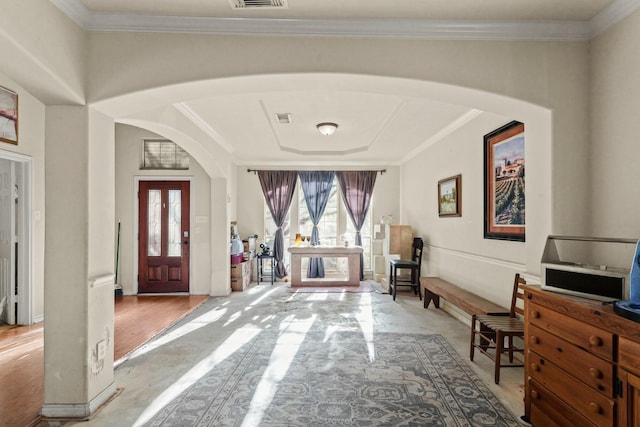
{"x":534,"y":339}
{"x":534,"y":394}
{"x":595,"y":408}
{"x":595,"y":373}
{"x":595,"y":341}
{"x":535,"y":314}
{"x":534,"y":367}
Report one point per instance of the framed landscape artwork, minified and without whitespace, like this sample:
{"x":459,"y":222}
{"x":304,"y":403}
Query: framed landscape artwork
{"x":8,"y":116}
{"x":449,"y":196}
{"x":504,"y":166}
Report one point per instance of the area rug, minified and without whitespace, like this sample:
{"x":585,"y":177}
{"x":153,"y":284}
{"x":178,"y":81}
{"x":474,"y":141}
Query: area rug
{"x":365,"y":286}
{"x":338,"y":380}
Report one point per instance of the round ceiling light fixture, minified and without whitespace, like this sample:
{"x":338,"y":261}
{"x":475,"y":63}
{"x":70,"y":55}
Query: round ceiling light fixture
{"x":327,"y":128}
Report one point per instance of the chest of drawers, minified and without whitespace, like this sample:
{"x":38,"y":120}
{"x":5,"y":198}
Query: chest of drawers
{"x":582,"y":363}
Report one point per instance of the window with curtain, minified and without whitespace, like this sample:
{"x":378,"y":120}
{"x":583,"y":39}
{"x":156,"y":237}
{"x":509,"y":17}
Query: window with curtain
{"x":334,"y":224}
{"x":328,"y":225}
{"x":270,"y":228}
{"x":365,"y":233}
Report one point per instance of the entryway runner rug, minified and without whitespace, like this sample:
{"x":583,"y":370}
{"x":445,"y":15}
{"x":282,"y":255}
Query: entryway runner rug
{"x":339,"y":379}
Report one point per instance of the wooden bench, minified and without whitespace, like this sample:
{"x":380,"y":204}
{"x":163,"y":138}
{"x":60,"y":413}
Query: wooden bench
{"x":435,"y":288}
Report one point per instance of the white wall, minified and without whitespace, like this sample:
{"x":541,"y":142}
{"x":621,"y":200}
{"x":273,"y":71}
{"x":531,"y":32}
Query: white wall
{"x":615,"y":146}
{"x":128,"y":161}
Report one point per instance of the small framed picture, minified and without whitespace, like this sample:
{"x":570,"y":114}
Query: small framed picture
{"x":8,"y":116}
{"x":449,"y":196}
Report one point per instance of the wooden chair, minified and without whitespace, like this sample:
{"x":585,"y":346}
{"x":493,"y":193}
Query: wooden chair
{"x":415,"y":265}
{"x":493,"y":329}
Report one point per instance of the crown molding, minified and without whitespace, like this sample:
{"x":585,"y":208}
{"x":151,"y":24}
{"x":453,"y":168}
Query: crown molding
{"x":367,"y":28}
{"x":612,"y":14}
{"x":198,"y":121}
{"x":443,"y":133}
{"x":76,"y":10}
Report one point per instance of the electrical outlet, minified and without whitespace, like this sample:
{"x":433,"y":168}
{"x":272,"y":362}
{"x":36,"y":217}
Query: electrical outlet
{"x":101,"y":349}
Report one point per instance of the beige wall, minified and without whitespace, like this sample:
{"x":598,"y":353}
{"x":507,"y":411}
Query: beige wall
{"x":482,"y":75}
{"x":456,"y":248}
{"x":542,"y":84}
{"x":614,"y":128}
{"x":100,"y":256}
{"x":79,"y":258}
{"x":128,"y":161}
{"x":120,"y":62}
{"x":47,"y":51}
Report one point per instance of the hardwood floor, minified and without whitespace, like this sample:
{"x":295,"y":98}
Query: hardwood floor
{"x":137,"y":319}
{"x":21,"y":374}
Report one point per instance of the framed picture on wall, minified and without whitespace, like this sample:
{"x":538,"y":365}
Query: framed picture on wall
{"x":449,"y":196}
{"x":504,"y":166}
{"x":8,"y":116}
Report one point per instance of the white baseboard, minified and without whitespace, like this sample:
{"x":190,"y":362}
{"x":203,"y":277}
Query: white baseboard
{"x":221,"y":294}
{"x":78,"y":410}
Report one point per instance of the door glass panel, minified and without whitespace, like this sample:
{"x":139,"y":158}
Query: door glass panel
{"x":154,"y":223}
{"x":175,"y":223}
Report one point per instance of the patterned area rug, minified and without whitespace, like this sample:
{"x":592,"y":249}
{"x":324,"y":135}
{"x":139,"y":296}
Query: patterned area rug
{"x":365,"y":286}
{"x":340,"y":379}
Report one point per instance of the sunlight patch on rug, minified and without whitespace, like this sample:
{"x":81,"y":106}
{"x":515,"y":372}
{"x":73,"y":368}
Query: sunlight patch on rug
{"x":414,"y":380}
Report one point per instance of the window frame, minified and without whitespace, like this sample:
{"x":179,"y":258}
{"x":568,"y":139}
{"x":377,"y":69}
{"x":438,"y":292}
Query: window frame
{"x":178,"y":152}
{"x":342,"y":224}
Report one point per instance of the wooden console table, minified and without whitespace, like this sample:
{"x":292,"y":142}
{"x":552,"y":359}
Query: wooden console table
{"x":351,"y":253}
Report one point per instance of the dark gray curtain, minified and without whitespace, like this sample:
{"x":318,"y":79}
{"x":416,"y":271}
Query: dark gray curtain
{"x":278,"y":188}
{"x":357,"y":188}
{"x":316,"y":186}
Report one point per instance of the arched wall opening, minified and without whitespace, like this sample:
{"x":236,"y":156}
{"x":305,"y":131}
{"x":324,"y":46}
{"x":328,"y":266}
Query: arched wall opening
{"x":161,"y":111}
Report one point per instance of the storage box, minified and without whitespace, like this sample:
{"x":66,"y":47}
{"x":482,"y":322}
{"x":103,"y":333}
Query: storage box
{"x":384,"y":282}
{"x":240,"y":283}
{"x":377,"y":247}
{"x":237,"y":258}
{"x":380,"y":264}
{"x":240,"y":269}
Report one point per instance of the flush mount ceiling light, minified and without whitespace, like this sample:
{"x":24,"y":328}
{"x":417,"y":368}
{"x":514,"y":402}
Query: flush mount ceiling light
{"x":327,"y":128}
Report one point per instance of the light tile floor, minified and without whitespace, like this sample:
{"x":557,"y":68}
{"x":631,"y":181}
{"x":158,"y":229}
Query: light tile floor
{"x":157,"y":366}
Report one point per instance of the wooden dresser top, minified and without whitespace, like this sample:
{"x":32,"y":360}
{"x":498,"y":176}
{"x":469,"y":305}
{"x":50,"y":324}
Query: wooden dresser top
{"x":587,"y":310}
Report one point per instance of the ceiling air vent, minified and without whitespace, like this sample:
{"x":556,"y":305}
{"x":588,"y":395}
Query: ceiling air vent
{"x":252,"y":4}
{"x":283,"y":117}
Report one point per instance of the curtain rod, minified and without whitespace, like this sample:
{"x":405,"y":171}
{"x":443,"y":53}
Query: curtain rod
{"x":377,"y":170}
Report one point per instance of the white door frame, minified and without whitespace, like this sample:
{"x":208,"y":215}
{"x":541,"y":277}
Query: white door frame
{"x":24,"y":176}
{"x":136,"y":187}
